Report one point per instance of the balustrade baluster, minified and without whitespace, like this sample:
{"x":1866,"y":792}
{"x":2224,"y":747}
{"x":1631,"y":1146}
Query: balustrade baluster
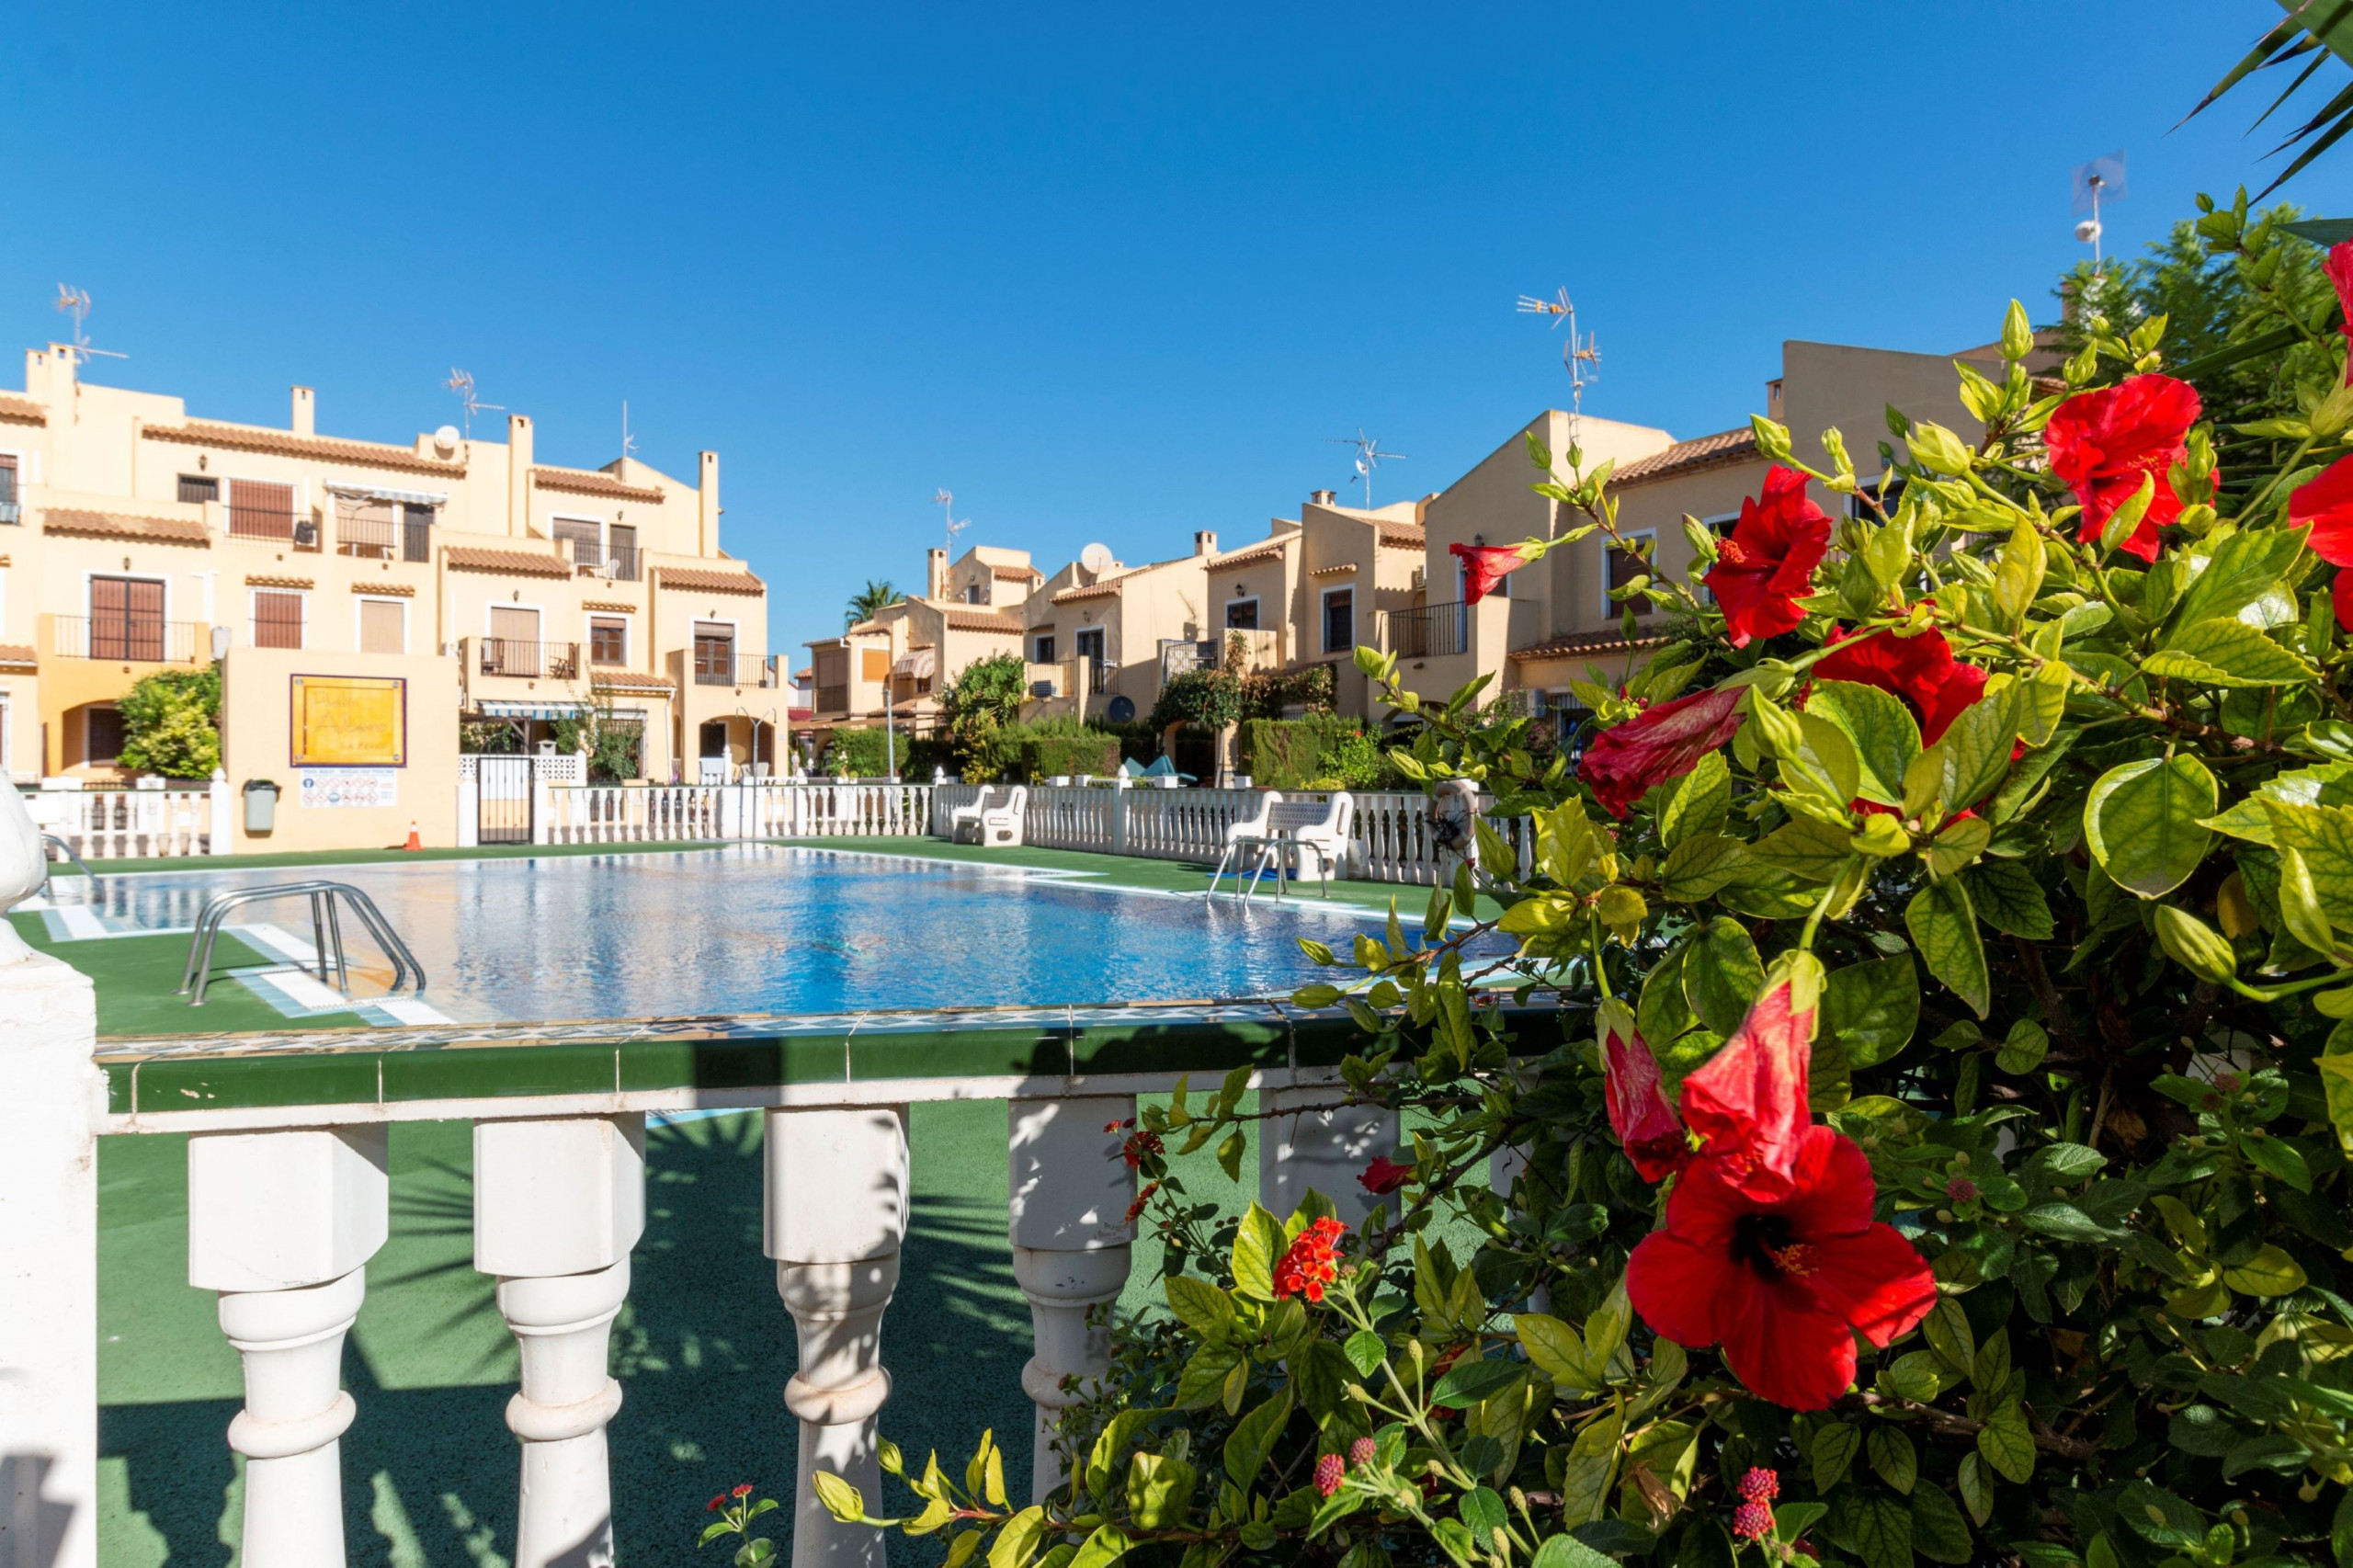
{"x":282,"y":1225}
{"x":1325,"y":1149}
{"x":836,"y":1217}
{"x":558,"y":1205}
{"x":1068,"y":1192}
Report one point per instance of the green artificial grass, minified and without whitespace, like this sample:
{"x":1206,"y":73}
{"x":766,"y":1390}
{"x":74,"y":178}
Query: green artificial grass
{"x":136,"y":979}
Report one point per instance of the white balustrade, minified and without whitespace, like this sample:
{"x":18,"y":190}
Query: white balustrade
{"x":1310,"y":1141}
{"x":836,"y":1217}
{"x":1069,"y":1191}
{"x":661,"y":813}
{"x":115,"y":825}
{"x":281,"y":1224}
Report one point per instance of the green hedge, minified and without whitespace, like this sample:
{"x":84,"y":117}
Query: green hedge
{"x":1094,"y":753}
{"x":860,"y":754}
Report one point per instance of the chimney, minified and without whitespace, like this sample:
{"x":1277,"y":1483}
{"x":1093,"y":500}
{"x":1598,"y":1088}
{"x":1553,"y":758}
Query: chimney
{"x":935,"y":575}
{"x":306,"y":410}
{"x":518,"y":475}
{"x":707,"y":506}
{"x":1320,"y":497}
{"x":1205,"y":543}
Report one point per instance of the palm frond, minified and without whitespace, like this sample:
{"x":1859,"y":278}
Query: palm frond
{"x":2322,"y":29}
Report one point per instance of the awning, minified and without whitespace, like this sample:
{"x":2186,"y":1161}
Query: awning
{"x":920,"y":664}
{"x":371,"y":492}
{"x":530,"y":710}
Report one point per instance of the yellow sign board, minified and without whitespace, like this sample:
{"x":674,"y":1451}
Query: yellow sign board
{"x":352,"y":720}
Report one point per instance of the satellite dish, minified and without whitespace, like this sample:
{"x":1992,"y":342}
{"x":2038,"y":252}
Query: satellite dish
{"x":445,"y":439}
{"x":1121,"y":709}
{"x":2087,"y":231}
{"x":1096,"y":558}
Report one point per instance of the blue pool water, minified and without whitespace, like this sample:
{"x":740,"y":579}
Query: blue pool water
{"x":766,"y":929}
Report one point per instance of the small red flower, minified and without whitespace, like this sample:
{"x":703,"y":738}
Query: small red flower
{"x":1138,"y":1145}
{"x":713,"y":1505}
{"x":742,"y":1491}
{"x":1328,"y":1470}
{"x":1961,"y":1189}
{"x":1761,"y":1485}
{"x":1384,"y":1176}
{"x":1783,"y":1286}
{"x":2104,"y":442}
{"x":1918,"y":667}
{"x":1752,"y":1521}
{"x":1657,"y":744}
{"x":1363,"y":1451}
{"x":1312,"y":1262}
{"x":1638,"y":1113}
{"x":1766,"y":564}
{"x":2339,"y":265}
{"x":1749,"y":1102}
{"x":1142,"y":1197}
{"x":1484,"y":566}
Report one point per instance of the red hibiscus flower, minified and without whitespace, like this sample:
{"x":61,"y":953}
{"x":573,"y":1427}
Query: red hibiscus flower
{"x":2104,"y":442}
{"x":2339,"y":268}
{"x":1312,"y":1263}
{"x":1783,"y":1286}
{"x":1919,"y":668}
{"x":1484,"y":566}
{"x":1656,"y":744}
{"x":1766,"y":563}
{"x":1749,"y":1102}
{"x":2327,"y":504}
{"x":1384,"y":1176}
{"x":1636,"y":1092}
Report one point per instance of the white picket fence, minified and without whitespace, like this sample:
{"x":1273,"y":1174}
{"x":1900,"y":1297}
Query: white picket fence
{"x":653,"y":814}
{"x":118,"y":824}
{"x":1390,"y":833}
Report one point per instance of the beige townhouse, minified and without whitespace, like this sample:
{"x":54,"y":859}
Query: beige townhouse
{"x":1095,"y":638}
{"x":905,"y":653}
{"x":363,"y":599}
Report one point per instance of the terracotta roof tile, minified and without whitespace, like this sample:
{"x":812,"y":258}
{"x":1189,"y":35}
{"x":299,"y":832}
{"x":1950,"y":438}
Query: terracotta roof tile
{"x":1609,"y":639}
{"x":381,"y":589}
{"x":620,"y":606}
{"x":1271,"y":549}
{"x":711,"y":582}
{"x":253,"y":581}
{"x":248,"y":438}
{"x":592,"y":482}
{"x":1403,"y":536}
{"x":16,"y":654}
{"x":1103,"y":590}
{"x":1021,"y":574}
{"x":1720,"y":451}
{"x":514,"y":563}
{"x":166,"y":531}
{"x":1335,"y":570}
{"x":22,"y":411}
{"x":975,"y":620}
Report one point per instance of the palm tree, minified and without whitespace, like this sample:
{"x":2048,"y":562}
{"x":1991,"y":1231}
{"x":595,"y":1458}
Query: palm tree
{"x":870,"y":600}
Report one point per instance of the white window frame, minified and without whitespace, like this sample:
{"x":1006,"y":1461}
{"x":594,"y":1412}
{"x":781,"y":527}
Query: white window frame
{"x":1720,"y":526}
{"x":1046,"y":654}
{"x":1323,"y":620}
{"x":735,"y":645}
{"x":604,"y":549}
{"x":89,"y":611}
{"x":1226,"y":624}
{"x":1608,"y":547}
{"x":24,"y":479}
{"x":359,"y":632}
{"x":628,"y":618}
{"x":253,"y":611}
{"x":1102,"y":641}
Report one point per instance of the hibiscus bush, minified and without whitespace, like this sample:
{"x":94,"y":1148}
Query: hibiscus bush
{"x":1907,"y":1117}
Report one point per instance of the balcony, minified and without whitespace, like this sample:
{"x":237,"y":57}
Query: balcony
{"x":722,"y":667}
{"x":532,"y":661}
{"x":273,"y":526}
{"x":589,"y":558}
{"x":1430,"y":632}
{"x":11,"y":512}
{"x":124,"y":638}
{"x":1098,"y":678}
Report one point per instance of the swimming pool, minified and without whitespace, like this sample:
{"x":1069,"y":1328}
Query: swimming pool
{"x":756,"y":929}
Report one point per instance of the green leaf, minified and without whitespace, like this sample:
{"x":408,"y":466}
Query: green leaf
{"x":1832,"y":1452}
{"x":1257,"y":1245}
{"x":1664,"y":1013}
{"x":1253,"y":1437}
{"x":1948,"y":1332}
{"x":1364,"y":1351}
{"x":1944,"y":927}
{"x":2025,"y":1048}
{"x":1807,"y":847}
{"x":1200,"y":1306}
{"x":1202,"y":1382}
{"x":1568,"y":1552}
{"x":2007,"y":898}
{"x":1721,"y":974}
{"x":1700,"y":804}
{"x":1105,"y":1547}
{"x":1018,"y":1542}
{"x":1881,"y":1528}
{"x":1468,"y":1382}
{"x":1592,"y":1466}
{"x":1976,"y":1490}
{"x":1884,"y":733}
{"x":2239,"y":571}
{"x":2064,"y":1221}
{"x":2326,"y":784}
{"x":1939,"y":1532}
{"x":1558,"y":1350}
{"x":2223,"y":651}
{"x":2271,"y":1272}
{"x":1892,"y":1455}
{"x":2143,"y":820}
{"x":2007,"y":1443}
{"x":1698,"y":868}
{"x":2322,"y":837}
{"x":1871,"y":1008}
{"x":1976,"y":748}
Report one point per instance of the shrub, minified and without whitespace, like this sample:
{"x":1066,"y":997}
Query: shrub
{"x":1929,"y":1050}
{"x":1284,"y":754}
{"x":171,"y":723}
{"x":863,"y":753}
{"x":1211,"y":698}
{"x":984,"y":699}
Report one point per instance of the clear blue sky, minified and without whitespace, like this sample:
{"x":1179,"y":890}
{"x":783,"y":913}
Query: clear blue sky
{"x":1105,"y":272}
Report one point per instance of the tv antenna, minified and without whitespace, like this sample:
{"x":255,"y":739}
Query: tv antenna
{"x":946,"y":500}
{"x":1581,"y":356}
{"x":462,"y":384}
{"x":2102,"y":179}
{"x":1369,"y":457}
{"x":628,"y":442}
{"x":76,"y":302}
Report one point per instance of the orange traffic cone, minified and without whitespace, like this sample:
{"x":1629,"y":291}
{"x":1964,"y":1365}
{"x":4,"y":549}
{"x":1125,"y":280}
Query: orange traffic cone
{"x":413,"y":842}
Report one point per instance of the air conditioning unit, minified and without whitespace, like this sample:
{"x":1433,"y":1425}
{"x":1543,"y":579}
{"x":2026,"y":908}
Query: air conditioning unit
{"x":1421,"y":577}
{"x":1042,"y":689}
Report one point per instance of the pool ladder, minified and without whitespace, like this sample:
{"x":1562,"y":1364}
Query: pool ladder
{"x":50,"y":841}
{"x":326,"y":930}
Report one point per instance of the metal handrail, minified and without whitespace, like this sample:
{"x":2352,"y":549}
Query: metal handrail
{"x":50,"y":841}
{"x":326,"y":930}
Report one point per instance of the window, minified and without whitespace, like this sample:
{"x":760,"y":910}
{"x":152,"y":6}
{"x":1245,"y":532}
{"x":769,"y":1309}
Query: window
{"x":9,"y":509}
{"x":101,"y":734}
{"x":383,"y":626}
{"x":277,"y":619}
{"x":1042,"y":652}
{"x":623,"y":539}
{"x":1088,"y":644}
{"x":416,"y":532}
{"x":1242,"y":615}
{"x":198,"y":488}
{"x":608,"y":640}
{"x":126,"y":617}
{"x":513,"y":646}
{"x":974,"y":594}
{"x":1502,"y":590}
{"x":1721,"y":526}
{"x":261,"y":511}
{"x":1624,"y":566}
{"x":1859,"y":507}
{"x":1340,"y":620}
{"x":367,"y":527}
{"x":580,"y":542}
{"x":715,"y":652}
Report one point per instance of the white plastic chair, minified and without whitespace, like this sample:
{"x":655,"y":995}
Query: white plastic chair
{"x":994,"y":818}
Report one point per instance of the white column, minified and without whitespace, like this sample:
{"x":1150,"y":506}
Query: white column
{"x":48,"y":1267}
{"x":836,"y":1212}
{"x":1069,"y":1192}
{"x":469,"y":810}
{"x":282,"y":1224}
{"x":542,"y":805}
{"x":558,"y":1205}
{"x":730,"y":811}
{"x":1323,"y":1150}
{"x":221,"y":822}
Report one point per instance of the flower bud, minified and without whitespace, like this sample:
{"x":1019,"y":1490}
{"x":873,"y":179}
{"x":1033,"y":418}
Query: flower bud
{"x":2194,"y":945}
{"x":1937,"y":448}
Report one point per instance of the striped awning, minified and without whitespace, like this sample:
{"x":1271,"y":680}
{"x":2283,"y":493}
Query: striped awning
{"x":378,"y":493}
{"x":918,"y":662}
{"x":531,"y":709}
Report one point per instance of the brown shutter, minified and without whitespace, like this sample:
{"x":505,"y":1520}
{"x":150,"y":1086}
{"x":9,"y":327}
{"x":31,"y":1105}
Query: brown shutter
{"x":261,"y":511}
{"x":514,"y":645}
{"x":379,"y":627}
{"x":277,"y":619}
